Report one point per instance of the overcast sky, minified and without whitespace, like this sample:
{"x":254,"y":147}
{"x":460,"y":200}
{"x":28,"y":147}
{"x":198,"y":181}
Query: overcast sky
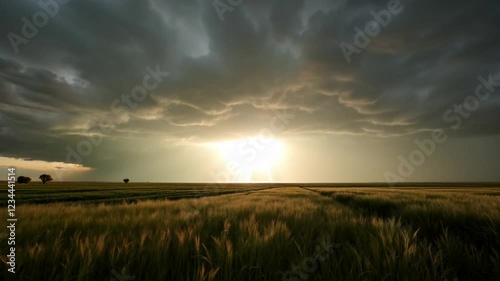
{"x":330,"y":91}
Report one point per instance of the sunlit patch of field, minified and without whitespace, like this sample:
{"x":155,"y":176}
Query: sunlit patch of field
{"x":260,"y":232}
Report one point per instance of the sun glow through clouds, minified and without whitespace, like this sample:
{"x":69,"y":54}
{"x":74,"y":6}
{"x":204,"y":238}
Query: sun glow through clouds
{"x":249,"y":158}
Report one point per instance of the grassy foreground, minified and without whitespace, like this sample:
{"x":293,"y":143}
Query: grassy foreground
{"x":279,"y":233}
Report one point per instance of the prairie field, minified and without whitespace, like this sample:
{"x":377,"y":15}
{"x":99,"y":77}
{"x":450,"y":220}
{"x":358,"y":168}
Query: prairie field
{"x":193,"y":232}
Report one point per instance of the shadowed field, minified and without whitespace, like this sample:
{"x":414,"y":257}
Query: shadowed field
{"x":80,"y":192}
{"x":255,"y":232}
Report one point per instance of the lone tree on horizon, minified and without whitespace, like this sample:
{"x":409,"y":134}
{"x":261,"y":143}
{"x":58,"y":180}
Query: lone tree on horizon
{"x":23,"y":179}
{"x":45,"y":178}
{"x":126,"y":180}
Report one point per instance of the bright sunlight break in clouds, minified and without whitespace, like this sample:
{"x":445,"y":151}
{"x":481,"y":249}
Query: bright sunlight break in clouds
{"x":349,"y":91}
{"x":248,"y":158}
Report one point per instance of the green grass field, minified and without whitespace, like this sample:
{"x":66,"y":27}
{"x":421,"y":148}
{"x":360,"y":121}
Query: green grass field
{"x":113,"y":231}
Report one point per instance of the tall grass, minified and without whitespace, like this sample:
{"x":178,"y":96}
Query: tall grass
{"x":262,"y":235}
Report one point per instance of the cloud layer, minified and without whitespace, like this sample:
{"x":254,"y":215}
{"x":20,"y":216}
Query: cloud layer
{"x":229,"y":77}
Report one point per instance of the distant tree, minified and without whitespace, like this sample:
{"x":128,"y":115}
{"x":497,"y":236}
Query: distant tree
{"x":22,"y":179}
{"x":45,"y":178}
{"x":126,"y":180}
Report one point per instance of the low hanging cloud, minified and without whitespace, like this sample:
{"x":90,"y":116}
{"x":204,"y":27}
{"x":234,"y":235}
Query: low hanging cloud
{"x":228,"y":76}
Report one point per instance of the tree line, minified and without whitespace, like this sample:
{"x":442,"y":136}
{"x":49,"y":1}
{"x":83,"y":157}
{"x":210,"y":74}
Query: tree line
{"x":45,"y":178}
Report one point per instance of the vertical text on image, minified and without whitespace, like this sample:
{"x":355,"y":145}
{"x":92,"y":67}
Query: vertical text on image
{"x":11,"y":219}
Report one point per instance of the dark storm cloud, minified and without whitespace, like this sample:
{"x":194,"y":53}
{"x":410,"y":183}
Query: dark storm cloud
{"x":228,"y":77}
